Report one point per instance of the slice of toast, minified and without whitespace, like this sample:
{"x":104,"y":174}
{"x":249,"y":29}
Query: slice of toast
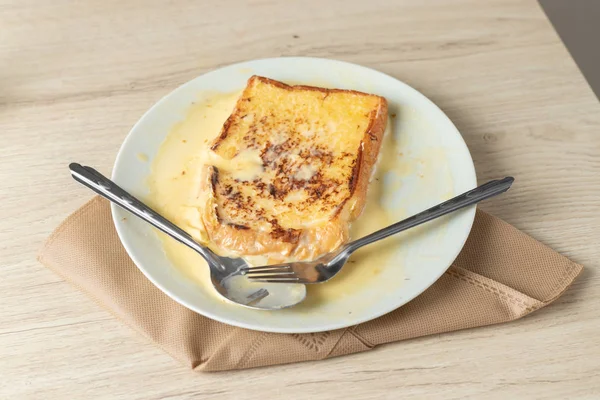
{"x":290,"y":169}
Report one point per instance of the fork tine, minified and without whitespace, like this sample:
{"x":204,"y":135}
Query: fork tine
{"x":286,"y":275}
{"x":259,"y":274}
{"x":279,"y":280}
{"x":266,"y":269}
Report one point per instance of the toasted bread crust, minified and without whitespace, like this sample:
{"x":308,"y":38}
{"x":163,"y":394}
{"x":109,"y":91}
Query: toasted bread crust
{"x":280,"y":242}
{"x":368,"y":154}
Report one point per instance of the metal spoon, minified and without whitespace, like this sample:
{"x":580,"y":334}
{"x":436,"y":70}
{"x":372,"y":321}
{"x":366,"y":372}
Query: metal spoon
{"x":224,"y":271}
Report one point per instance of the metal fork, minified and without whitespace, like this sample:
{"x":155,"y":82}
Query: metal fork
{"x":327,"y":266}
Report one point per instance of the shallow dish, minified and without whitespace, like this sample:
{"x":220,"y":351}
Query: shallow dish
{"x":436,"y":165}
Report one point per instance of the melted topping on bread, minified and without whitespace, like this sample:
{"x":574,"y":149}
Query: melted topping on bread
{"x":289,"y":157}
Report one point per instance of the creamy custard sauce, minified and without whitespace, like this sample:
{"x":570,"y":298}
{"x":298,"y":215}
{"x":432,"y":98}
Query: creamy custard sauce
{"x":174,"y":191}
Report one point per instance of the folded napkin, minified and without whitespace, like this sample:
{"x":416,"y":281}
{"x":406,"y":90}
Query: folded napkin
{"x":501,"y":275}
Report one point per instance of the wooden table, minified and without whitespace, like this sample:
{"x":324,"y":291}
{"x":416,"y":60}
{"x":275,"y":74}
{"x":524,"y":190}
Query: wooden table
{"x":75,"y":76}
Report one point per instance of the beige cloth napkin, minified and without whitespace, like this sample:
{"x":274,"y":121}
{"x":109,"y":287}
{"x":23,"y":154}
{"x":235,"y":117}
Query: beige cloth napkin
{"x":501,"y":275}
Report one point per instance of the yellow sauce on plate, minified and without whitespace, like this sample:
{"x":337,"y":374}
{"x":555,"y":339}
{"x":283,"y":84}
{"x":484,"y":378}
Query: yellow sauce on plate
{"x":174,"y":191}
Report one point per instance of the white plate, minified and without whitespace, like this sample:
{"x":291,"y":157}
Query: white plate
{"x":426,"y":138}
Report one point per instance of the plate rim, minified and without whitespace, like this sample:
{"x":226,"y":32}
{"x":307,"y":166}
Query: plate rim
{"x":471,"y":211}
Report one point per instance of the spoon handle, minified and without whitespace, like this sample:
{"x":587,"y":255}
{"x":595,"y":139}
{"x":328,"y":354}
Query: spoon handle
{"x":106,"y":188}
{"x":473,"y":196}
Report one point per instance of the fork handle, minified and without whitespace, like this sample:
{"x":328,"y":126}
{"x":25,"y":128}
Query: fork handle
{"x":106,"y":188}
{"x":471,"y":197}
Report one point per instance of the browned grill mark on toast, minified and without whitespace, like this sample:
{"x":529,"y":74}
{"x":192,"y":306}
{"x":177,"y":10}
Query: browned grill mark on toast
{"x":286,"y":235}
{"x":238,"y":226}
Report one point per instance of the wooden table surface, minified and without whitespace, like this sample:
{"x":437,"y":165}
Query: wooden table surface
{"x":75,"y":76}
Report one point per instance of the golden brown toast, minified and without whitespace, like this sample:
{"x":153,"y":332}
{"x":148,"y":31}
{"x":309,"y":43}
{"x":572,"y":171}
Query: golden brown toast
{"x":290,"y":169}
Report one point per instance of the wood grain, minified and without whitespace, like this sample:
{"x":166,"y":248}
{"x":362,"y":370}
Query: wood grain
{"x":75,"y":76}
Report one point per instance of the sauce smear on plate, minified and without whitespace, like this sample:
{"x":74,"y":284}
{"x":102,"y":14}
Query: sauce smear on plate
{"x":174,"y":191}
